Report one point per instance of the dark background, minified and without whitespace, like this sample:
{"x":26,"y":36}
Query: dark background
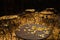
{"x":8,"y":7}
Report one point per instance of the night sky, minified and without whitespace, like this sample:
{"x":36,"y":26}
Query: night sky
{"x":8,"y":7}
